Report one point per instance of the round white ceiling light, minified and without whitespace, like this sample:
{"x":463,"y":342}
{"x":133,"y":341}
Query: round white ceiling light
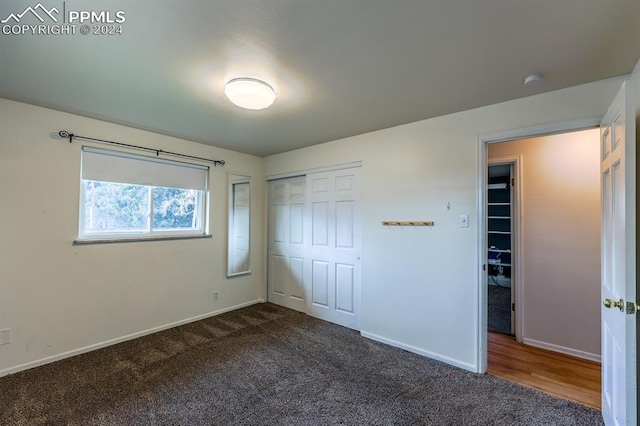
{"x":250,"y":93}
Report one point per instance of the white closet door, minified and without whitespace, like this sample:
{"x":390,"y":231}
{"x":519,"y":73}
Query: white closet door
{"x":287,"y":242}
{"x":332,"y":272}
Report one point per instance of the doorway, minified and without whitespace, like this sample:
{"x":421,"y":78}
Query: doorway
{"x":543,"y":247}
{"x":546,"y":238}
{"x":500,"y":251}
{"x":549,"y":187}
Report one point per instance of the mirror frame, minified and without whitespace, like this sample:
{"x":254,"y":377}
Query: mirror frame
{"x":232,"y":180}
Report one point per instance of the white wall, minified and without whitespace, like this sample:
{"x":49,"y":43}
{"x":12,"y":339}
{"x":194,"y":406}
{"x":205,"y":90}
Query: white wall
{"x":59,"y":298}
{"x":560,"y":240}
{"x":420,"y":287}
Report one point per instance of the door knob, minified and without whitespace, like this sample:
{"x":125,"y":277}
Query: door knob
{"x":610,"y":303}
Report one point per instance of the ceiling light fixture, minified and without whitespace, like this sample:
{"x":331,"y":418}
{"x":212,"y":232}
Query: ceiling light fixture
{"x":250,"y":93}
{"x":533,"y":79}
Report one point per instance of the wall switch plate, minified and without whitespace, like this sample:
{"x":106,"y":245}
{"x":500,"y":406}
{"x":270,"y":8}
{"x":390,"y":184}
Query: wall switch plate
{"x":216,"y":295}
{"x":464,"y":221}
{"x":5,"y":336}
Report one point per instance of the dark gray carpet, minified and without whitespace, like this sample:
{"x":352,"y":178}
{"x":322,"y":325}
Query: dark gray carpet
{"x":266,"y":365}
{"x":499,"y":317}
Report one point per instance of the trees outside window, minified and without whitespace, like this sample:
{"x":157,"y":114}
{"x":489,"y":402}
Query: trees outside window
{"x":125,"y":195}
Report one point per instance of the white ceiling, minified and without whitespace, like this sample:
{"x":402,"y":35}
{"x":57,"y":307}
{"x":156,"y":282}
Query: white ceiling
{"x":340,"y":67}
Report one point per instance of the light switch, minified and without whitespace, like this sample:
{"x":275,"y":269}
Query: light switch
{"x":464,"y":221}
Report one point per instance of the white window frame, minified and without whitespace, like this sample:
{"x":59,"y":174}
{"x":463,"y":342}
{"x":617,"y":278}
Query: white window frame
{"x":150,"y":233}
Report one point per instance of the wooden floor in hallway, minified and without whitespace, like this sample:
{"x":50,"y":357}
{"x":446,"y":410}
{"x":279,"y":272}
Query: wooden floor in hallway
{"x":552,"y":372}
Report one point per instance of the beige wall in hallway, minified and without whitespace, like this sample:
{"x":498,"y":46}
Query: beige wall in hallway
{"x":561,"y":239}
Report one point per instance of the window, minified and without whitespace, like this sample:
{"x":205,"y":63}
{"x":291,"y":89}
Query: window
{"x":131,"y":196}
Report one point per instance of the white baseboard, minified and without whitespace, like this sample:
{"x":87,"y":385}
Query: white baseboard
{"x":58,"y":357}
{"x":428,"y":354}
{"x":563,"y":350}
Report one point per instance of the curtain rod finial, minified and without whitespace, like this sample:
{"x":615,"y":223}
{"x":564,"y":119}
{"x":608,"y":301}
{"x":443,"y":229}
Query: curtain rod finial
{"x":65,"y":134}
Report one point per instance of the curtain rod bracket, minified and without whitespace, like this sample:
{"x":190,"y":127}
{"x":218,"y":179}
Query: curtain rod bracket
{"x":67,"y":135}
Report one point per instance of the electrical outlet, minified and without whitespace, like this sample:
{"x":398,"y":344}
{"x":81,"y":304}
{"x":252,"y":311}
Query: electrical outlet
{"x":5,"y":336}
{"x":216,"y":295}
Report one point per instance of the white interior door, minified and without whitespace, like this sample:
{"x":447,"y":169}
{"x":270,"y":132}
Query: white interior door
{"x":618,"y":262}
{"x":332,"y":274}
{"x":286,"y":248}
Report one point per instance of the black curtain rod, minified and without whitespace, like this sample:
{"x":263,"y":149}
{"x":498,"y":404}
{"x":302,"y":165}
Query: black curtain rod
{"x":66,"y":135}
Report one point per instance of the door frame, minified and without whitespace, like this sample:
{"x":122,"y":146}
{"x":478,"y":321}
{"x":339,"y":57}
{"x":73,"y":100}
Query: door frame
{"x":305,"y":172}
{"x":515,"y":161}
{"x":482,"y":147}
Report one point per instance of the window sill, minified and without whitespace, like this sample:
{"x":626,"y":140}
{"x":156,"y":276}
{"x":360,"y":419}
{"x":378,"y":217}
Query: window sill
{"x":138,"y":239}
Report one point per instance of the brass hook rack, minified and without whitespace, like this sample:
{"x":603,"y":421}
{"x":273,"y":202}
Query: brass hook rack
{"x":408,"y":223}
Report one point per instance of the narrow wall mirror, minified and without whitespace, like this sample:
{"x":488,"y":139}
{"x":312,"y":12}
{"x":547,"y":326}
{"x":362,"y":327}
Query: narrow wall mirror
{"x":239,"y":228}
